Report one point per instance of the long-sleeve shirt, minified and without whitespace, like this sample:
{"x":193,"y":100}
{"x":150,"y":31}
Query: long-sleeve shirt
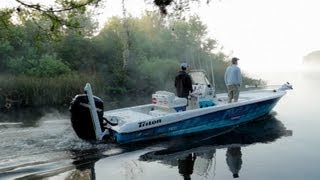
{"x":183,"y":84}
{"x":232,"y":76}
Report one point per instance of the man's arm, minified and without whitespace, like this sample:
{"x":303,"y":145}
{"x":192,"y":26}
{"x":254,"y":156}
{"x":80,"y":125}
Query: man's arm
{"x":239,"y":76}
{"x":225,"y":76}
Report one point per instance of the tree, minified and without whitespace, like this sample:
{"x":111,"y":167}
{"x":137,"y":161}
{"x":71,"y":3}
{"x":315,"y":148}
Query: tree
{"x":61,"y":15}
{"x":175,"y":7}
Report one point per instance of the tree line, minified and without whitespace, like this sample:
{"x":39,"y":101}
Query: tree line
{"x":128,"y":58}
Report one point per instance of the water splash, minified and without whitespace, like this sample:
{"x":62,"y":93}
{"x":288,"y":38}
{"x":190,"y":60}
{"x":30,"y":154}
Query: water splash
{"x":49,"y":144}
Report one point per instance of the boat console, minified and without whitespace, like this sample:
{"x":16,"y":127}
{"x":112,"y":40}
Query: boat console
{"x":203,"y":92}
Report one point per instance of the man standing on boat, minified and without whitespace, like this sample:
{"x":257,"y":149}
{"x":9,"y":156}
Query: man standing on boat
{"x":183,"y":82}
{"x":233,"y":80}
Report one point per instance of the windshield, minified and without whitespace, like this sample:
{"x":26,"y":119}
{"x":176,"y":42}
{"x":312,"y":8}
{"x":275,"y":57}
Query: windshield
{"x":199,"y":77}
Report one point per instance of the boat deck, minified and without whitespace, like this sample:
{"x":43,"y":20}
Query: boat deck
{"x":131,"y":115}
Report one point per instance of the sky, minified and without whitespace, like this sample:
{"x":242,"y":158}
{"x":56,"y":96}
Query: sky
{"x":267,"y":35}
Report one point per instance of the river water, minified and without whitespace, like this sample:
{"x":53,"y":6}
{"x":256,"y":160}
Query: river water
{"x":282,"y":145}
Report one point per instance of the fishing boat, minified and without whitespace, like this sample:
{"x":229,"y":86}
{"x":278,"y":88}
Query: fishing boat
{"x":168,"y":115}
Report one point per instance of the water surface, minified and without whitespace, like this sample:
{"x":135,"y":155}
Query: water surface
{"x":282,"y":145}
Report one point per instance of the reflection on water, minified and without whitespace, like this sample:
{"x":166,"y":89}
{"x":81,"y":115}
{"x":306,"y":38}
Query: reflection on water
{"x":84,"y":164}
{"x":197,"y":155}
{"x":234,"y":161}
{"x":185,"y":165}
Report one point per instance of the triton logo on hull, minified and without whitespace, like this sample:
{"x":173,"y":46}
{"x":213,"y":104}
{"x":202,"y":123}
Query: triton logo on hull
{"x":148,"y":123}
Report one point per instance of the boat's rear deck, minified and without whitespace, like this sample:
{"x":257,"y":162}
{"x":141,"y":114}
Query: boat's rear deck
{"x":131,"y":115}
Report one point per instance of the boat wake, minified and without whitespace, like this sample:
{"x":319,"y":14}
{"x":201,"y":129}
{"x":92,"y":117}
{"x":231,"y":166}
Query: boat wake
{"x":50,"y":145}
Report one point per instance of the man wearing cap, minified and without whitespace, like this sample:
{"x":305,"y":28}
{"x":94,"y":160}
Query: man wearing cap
{"x":183,"y":82}
{"x":233,"y":80}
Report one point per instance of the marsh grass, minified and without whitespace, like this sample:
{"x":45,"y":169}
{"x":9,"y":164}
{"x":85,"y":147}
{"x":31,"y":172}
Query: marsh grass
{"x":44,"y":91}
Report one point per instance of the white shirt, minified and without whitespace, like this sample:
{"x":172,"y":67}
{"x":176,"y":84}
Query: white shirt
{"x":232,"y":76}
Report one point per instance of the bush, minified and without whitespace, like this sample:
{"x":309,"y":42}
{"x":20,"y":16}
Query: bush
{"x":46,"y":66}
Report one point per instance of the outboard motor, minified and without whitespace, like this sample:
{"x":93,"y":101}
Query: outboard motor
{"x":81,"y":117}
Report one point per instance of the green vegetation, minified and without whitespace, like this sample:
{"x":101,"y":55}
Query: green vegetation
{"x":25,"y":91}
{"x":128,"y":58}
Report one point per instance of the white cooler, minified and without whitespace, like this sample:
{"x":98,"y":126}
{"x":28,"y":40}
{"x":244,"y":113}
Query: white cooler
{"x":168,"y":100}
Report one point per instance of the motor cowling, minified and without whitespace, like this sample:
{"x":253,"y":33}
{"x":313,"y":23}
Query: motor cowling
{"x":81,"y":118}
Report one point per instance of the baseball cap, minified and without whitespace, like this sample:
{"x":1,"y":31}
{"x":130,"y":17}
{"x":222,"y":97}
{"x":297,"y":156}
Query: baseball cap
{"x":234,"y":59}
{"x":184,"y":65}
